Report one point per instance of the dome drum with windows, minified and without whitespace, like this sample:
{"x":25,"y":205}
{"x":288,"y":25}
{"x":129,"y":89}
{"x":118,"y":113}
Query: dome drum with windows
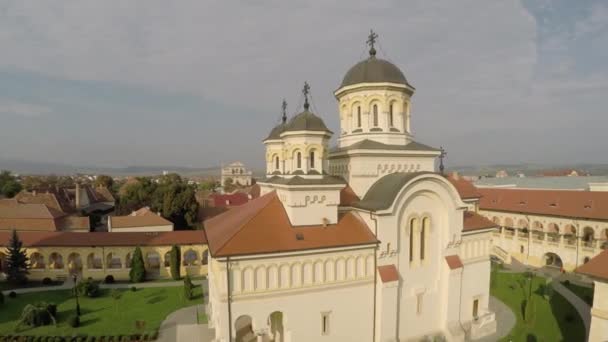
{"x":374,"y":102}
{"x":299,"y":146}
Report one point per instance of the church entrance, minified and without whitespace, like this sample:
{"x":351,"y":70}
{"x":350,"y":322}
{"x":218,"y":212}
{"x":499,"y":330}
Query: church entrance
{"x":276,"y":326}
{"x":553,"y":260}
{"x":244,"y":330}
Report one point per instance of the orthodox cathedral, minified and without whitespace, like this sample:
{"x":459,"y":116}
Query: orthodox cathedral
{"x":360,"y":242}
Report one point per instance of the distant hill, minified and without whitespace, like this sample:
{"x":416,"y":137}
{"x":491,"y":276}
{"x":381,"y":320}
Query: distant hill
{"x":43,"y":168}
{"x":530,"y":169}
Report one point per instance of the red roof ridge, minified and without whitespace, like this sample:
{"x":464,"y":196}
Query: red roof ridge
{"x":271,"y":196}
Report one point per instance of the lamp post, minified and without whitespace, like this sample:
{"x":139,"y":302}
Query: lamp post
{"x":75,"y":278}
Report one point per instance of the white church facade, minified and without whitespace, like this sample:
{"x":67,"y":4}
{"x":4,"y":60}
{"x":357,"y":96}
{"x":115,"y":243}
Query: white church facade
{"x":362,"y":242}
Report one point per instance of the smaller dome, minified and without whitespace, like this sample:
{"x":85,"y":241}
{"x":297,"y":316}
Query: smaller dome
{"x":275,"y":133}
{"x":306,"y":121}
{"x":373,"y":70}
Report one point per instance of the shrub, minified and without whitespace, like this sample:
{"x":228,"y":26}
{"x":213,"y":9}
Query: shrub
{"x":12,"y":294}
{"x":138,"y":270}
{"x":38,"y":314}
{"x":566,"y":282}
{"x":188,"y":287}
{"x":87,"y":288}
{"x":175,"y":262}
{"x":74,"y":321}
{"x":109,"y":279}
{"x":133,"y":288}
{"x":47,"y":281}
{"x":116,"y":294}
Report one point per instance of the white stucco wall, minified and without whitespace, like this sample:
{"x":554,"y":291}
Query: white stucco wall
{"x":599,"y":313}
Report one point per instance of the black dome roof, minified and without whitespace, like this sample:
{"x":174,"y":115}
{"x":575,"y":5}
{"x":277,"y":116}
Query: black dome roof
{"x":373,"y":70}
{"x":306,"y":121}
{"x":275,"y":133}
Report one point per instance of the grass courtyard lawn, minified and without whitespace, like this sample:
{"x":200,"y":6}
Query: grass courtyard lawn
{"x":4,"y":286}
{"x":583,"y":292}
{"x":547,"y":318}
{"x":102,"y":315}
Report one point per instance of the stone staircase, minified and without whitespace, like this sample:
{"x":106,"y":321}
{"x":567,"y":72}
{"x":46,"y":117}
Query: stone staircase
{"x":501,"y":254}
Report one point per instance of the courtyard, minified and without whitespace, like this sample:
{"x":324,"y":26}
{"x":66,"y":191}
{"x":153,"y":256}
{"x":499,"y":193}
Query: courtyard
{"x":116,"y":312}
{"x":539,"y":317}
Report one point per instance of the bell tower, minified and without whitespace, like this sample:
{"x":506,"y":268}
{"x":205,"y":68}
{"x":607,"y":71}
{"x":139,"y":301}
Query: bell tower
{"x":374,"y":104}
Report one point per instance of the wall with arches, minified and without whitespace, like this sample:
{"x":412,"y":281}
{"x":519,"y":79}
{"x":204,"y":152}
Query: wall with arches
{"x":297,"y":153}
{"x":573,"y":240}
{"x":302,"y":287}
{"x":98,"y":262}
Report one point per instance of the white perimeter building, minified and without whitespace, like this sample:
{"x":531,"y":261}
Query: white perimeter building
{"x":365,"y":242}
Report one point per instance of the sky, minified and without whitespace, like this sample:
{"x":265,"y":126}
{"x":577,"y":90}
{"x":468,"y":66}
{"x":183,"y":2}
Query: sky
{"x":197,"y":83}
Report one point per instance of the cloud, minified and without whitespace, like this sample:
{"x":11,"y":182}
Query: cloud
{"x":28,"y":110}
{"x":485,"y":71}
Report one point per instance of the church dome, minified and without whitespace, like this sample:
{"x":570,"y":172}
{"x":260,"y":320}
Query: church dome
{"x":306,"y":121}
{"x":275,"y":133}
{"x":374,"y":70}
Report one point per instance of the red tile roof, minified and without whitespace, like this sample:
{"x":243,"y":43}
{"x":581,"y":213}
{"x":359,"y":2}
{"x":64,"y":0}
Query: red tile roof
{"x":597,"y":267}
{"x":465,"y":188}
{"x":473,"y":221}
{"x":143,"y":217}
{"x":565,"y":203}
{"x":229,"y":200}
{"x":75,"y":239}
{"x":262,"y":226}
{"x":453,"y":261}
{"x":388,"y":273}
{"x":348,"y":196}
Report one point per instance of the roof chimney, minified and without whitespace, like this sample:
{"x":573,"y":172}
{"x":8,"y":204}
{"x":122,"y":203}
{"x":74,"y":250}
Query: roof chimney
{"x":77,"y":197}
{"x":455,"y":175}
{"x":325,"y":222}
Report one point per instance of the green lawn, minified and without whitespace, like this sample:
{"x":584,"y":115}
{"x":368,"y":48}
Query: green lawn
{"x":102,"y":315}
{"x":4,"y":286}
{"x":547,"y":318}
{"x":583,"y":292}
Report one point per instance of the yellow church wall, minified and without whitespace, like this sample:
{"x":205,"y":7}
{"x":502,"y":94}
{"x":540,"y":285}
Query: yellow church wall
{"x":59,"y":263}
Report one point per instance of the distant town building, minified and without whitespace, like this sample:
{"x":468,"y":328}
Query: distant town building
{"x":238,"y":173}
{"x":142,"y":220}
{"x":502,"y":174}
{"x":562,"y":173}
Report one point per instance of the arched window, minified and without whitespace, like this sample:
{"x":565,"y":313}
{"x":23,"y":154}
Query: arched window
{"x":312,"y":159}
{"x":299,"y":160}
{"x":359,"y":116}
{"x":423,"y":233}
{"x":412,"y":225}
{"x":205,"y":257}
{"x":276,"y":162}
{"x":390,"y":115}
{"x":375,"y":115}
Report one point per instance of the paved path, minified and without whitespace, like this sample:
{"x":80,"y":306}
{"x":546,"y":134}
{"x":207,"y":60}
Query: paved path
{"x":505,"y":320}
{"x":583,"y":309}
{"x":182,"y":326}
{"x":69,"y":284}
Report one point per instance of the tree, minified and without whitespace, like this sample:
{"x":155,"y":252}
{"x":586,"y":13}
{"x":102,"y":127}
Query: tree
{"x":105,"y":181}
{"x":9,"y":186}
{"x":17,"y":261}
{"x":229,"y":185}
{"x":175,"y":262}
{"x":138,"y":269}
{"x":209,"y":185}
